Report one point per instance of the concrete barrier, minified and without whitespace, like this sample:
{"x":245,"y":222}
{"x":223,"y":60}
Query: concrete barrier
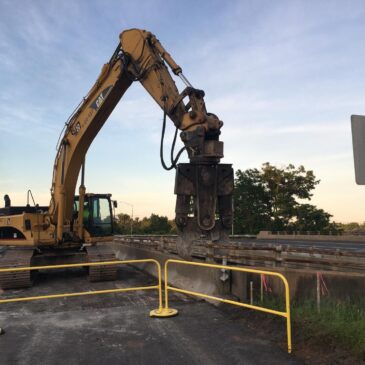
{"x":302,"y":281}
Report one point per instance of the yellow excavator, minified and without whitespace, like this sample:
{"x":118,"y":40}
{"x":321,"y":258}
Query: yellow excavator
{"x":68,"y":230}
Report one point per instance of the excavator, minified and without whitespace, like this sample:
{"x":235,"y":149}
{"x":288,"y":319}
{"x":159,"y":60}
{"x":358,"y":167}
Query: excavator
{"x":70,"y":229}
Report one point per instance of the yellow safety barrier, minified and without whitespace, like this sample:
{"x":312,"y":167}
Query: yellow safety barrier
{"x":107,"y":291}
{"x":169,"y":311}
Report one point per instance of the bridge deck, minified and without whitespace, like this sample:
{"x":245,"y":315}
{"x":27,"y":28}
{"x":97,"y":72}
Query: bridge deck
{"x":116,"y":328}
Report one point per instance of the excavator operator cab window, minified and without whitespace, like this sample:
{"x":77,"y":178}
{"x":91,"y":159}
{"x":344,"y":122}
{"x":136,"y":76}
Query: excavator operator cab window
{"x":86,"y":218}
{"x":97,"y":215}
{"x":100,"y":216}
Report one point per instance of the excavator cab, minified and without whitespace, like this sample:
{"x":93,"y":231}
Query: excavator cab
{"x":97,"y":214}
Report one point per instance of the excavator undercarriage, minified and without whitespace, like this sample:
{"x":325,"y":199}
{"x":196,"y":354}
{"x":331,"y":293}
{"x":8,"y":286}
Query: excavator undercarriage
{"x":15,"y":257}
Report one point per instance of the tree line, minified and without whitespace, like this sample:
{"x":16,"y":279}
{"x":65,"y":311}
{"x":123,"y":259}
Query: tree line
{"x":270,"y":198}
{"x":155,"y":224}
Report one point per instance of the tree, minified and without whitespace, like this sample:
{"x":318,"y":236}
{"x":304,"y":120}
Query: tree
{"x":284,"y":186}
{"x":309,"y":218}
{"x":251,"y":202}
{"x":123,"y":223}
{"x":353,"y":227}
{"x":267,"y":199}
{"x":155,"y":224}
{"x":158,"y":225}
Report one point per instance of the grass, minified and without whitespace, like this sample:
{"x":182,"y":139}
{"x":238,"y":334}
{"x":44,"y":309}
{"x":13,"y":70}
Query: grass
{"x":339,"y":322}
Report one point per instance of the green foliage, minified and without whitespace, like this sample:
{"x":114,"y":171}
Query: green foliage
{"x":309,"y":218}
{"x":251,"y":202}
{"x":342,"y":322}
{"x":353,"y":227}
{"x":155,"y":224}
{"x":122,"y":223}
{"x":267,"y":199}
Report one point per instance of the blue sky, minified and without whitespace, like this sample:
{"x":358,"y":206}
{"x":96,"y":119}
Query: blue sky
{"x":284,"y":76}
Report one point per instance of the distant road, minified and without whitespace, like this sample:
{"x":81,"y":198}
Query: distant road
{"x":328,"y":245}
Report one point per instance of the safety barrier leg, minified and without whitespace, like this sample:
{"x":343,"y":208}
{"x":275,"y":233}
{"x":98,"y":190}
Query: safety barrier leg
{"x":288,"y":317}
{"x":166,"y":311}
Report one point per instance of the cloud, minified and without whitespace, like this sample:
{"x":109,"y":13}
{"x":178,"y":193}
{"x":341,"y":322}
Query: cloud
{"x":283,"y":76}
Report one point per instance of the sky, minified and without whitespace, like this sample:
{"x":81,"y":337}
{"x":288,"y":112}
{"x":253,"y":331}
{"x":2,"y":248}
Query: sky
{"x":284,"y":76}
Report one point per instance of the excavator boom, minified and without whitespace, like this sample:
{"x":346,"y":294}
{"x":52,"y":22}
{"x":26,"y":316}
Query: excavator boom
{"x":203,"y":186}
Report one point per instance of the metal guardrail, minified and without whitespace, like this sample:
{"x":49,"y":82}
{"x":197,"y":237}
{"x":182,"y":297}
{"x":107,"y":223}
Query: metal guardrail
{"x":107,"y":291}
{"x":285,"y":314}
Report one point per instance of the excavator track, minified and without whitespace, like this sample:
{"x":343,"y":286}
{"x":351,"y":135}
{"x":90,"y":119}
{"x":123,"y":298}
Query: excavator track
{"x":18,"y":279}
{"x":100,"y":254}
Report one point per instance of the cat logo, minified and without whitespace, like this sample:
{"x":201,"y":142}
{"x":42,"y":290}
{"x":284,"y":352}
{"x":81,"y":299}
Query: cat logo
{"x":97,"y":103}
{"x":76,"y":129}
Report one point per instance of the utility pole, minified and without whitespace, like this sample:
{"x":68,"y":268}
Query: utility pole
{"x":232,"y":216}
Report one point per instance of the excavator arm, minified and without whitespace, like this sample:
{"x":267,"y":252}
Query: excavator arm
{"x":203,"y":187}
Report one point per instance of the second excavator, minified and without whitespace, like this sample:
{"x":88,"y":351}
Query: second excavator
{"x":69,"y":229}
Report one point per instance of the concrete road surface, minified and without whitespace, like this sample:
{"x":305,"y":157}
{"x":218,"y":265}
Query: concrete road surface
{"x":117,"y":329}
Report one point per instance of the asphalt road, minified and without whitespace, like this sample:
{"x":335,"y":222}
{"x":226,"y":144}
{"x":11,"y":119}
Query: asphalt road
{"x":327,"y":245}
{"x":117,"y":329}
